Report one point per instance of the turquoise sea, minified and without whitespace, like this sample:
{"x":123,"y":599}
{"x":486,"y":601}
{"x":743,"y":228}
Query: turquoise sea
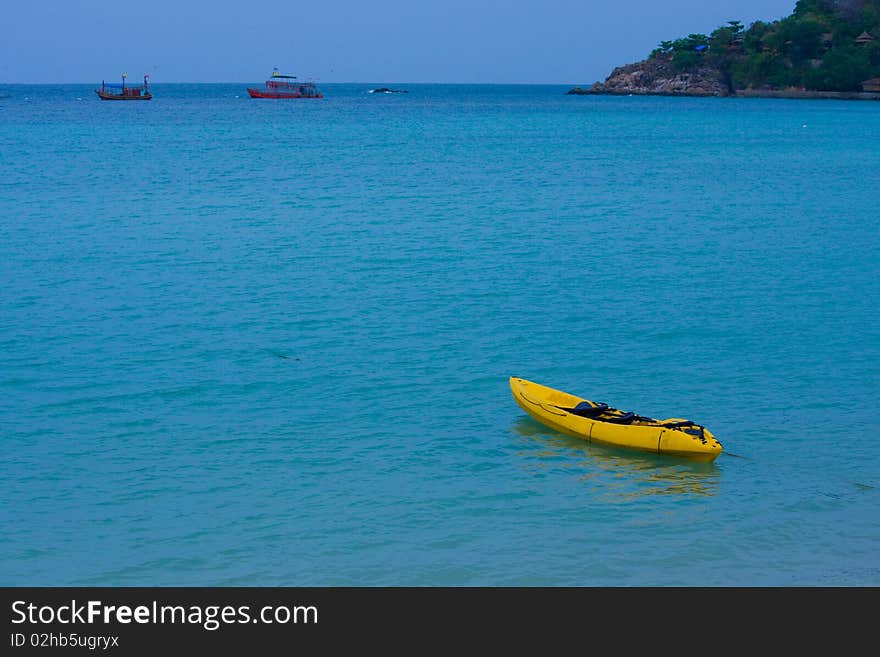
{"x":265,"y":343}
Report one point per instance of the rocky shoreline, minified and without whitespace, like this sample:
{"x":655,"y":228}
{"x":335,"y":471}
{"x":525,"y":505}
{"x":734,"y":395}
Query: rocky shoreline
{"x":801,"y":93}
{"x":656,"y":76}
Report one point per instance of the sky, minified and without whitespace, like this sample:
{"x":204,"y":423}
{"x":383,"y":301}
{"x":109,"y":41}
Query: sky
{"x":444,"y":41}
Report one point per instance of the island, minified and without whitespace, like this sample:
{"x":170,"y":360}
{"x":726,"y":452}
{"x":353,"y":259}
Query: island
{"x":824,"y":49}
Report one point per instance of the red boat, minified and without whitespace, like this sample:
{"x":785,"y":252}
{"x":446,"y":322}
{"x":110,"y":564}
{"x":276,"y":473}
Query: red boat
{"x":123,"y":92}
{"x":285,"y":86}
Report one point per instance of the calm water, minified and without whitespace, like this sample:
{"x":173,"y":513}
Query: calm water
{"x":258,"y":343}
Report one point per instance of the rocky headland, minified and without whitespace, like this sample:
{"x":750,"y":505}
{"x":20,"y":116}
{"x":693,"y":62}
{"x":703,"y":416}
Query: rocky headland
{"x":824,"y":49}
{"x":657,"y":75}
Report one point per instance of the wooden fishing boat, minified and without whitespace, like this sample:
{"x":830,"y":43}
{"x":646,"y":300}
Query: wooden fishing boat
{"x":597,"y":422}
{"x":285,"y":86}
{"x":125,"y":92}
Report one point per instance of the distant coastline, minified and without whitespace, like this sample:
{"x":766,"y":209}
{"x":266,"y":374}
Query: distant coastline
{"x":741,"y":93}
{"x":758,"y":93}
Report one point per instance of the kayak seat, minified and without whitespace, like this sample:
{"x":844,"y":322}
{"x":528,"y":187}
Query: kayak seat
{"x":626,"y":418}
{"x":585,"y":409}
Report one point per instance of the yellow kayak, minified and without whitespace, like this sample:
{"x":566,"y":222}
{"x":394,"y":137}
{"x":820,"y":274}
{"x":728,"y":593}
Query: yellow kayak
{"x":599,"y":423}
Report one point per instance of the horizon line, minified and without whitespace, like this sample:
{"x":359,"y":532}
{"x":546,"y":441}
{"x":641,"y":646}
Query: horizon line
{"x":35,"y":84}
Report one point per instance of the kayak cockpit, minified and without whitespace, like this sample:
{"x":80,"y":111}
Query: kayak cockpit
{"x":602,"y":412}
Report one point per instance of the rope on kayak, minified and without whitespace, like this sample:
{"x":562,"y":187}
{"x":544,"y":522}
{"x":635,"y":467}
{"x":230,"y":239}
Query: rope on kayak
{"x":549,"y":408}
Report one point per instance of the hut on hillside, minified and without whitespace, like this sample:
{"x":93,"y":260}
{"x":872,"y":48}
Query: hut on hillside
{"x":872,"y":85}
